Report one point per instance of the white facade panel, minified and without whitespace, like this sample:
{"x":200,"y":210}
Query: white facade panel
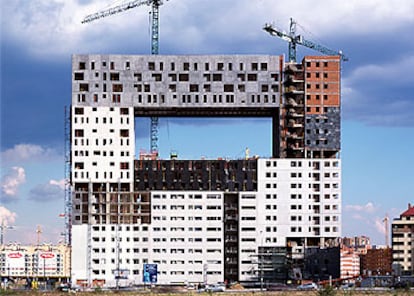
{"x":103,"y":144}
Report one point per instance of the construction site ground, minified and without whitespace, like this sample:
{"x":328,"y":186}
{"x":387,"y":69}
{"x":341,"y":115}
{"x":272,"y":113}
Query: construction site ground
{"x":385,"y":292}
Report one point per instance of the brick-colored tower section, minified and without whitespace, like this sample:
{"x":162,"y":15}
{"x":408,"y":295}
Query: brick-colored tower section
{"x":322,"y":79}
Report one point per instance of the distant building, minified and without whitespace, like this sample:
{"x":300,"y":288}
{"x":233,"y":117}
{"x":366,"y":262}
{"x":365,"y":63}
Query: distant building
{"x":402,"y":242}
{"x":350,"y":263}
{"x":43,"y":263}
{"x":360,"y":244}
{"x":377,"y":262}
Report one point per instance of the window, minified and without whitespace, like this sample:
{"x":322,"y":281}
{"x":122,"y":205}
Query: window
{"x":84,"y":87}
{"x":117,"y":88}
{"x":114,"y":76}
{"x":217,"y":77}
{"x":228,"y":88}
{"x":251,"y":77}
{"x":193,"y":87}
{"x":183,"y":77}
{"x":78,"y":133}
{"x":79,"y":76}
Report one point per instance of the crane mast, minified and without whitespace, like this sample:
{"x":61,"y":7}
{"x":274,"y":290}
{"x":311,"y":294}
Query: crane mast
{"x":387,"y":230}
{"x":292,"y":38}
{"x":154,"y":44}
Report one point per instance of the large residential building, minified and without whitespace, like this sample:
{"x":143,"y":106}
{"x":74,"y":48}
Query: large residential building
{"x":201,"y":220}
{"x":402,"y":242}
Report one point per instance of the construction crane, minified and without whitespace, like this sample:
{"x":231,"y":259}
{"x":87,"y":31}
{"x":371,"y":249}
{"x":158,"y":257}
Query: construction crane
{"x":292,"y":38}
{"x":155,"y":4}
{"x":3,"y":228}
{"x":38,"y":234}
{"x":387,"y":231}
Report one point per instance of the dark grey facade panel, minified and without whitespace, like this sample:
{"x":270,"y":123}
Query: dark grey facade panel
{"x":188,"y":175}
{"x":323,"y":132}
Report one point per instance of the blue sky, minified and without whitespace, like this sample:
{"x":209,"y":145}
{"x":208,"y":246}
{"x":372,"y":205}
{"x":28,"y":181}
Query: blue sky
{"x":39,"y":36}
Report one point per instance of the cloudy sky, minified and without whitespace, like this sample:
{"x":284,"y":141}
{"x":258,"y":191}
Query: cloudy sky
{"x":38,"y":38}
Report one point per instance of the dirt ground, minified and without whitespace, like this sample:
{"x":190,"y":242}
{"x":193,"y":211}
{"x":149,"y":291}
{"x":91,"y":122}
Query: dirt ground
{"x":228,"y":293}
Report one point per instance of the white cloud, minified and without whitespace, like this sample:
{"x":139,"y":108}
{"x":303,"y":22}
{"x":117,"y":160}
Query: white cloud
{"x":366,"y":219}
{"x":367,"y":208}
{"x":380,"y":94}
{"x":52,"y":190}
{"x":27,"y":152}
{"x":53,"y":28}
{"x":383,"y":72}
{"x":380,"y":225}
{"x":10,"y":183}
{"x":59,"y":183}
{"x":7,"y":217}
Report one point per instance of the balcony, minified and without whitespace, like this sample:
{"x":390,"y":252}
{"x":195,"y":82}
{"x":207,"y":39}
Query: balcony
{"x":294,"y":102}
{"x":230,"y":218}
{"x":295,"y":124}
{"x":294,"y":90}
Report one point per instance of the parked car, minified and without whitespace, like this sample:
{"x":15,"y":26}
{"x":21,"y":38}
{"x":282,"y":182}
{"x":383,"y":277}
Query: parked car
{"x":308,"y":286}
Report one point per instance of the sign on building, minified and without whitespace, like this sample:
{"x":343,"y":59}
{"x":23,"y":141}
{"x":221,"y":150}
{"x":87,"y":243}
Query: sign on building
{"x":150,"y":273}
{"x":15,"y":262}
{"x":47,"y":262}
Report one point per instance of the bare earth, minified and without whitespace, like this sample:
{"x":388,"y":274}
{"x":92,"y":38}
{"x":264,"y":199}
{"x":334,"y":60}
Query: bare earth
{"x":228,"y":293}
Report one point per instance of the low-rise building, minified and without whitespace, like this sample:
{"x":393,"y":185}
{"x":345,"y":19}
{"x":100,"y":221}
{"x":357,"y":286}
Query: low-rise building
{"x":350,"y":263}
{"x":377,"y":261}
{"x":35,"y":262}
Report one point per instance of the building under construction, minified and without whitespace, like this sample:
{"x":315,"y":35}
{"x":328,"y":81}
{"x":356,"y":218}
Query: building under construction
{"x":201,"y":220}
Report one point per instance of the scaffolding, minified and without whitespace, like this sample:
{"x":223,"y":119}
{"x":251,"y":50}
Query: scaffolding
{"x":68,"y":189}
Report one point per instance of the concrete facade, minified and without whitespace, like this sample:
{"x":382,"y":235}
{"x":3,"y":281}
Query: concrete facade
{"x":165,"y":82}
{"x":128,"y":212}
